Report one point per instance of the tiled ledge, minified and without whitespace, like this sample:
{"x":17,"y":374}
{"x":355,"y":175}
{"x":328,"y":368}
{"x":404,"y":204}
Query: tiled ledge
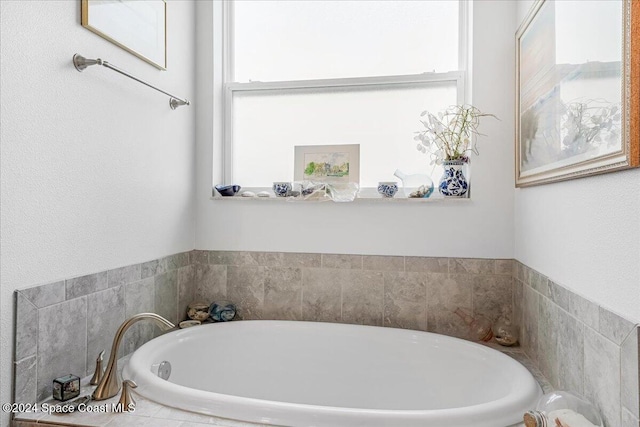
{"x":152,"y":414}
{"x":517,"y":353}
{"x":579,"y":345}
{"x":147,"y":414}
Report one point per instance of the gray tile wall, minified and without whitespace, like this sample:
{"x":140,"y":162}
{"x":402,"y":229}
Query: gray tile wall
{"x":62,"y":326}
{"x":575,"y":343}
{"x":395,"y":291}
{"x":578,"y":345}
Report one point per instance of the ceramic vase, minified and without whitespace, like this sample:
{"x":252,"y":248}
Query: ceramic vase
{"x":453,"y":182}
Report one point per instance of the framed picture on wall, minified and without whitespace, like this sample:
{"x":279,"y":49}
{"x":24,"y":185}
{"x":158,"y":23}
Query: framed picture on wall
{"x":327,"y":163}
{"x":577,"y":95}
{"x":139,"y":27}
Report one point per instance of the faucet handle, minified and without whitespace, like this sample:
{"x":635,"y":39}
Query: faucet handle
{"x":126,"y":401}
{"x":97,"y":375}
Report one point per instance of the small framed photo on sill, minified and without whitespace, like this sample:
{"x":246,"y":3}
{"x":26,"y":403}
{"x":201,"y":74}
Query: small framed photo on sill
{"x":327,"y":163}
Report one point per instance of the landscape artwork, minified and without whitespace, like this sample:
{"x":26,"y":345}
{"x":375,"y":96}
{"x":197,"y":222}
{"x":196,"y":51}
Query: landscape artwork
{"x":326,"y":166}
{"x":327,"y":163}
{"x":570,"y":93}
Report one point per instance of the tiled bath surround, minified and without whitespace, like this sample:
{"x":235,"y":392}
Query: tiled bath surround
{"x":579,"y":346}
{"x":62,"y":326}
{"x":403,"y":292}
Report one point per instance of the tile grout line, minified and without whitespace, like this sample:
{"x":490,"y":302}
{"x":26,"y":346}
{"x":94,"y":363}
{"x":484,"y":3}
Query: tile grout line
{"x":426,"y":300}
{"x":177,"y":313}
{"x":384,"y":287}
{"x":341,"y":299}
{"x":620,"y":378}
{"x":37,"y":351}
{"x":573,"y":316}
{"x":15,"y":374}
{"x":302,"y":295}
{"x":631,"y":332}
{"x":86,"y":327}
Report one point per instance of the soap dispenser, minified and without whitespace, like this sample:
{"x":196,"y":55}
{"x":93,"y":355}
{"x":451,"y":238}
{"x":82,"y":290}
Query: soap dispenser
{"x":563,"y":409}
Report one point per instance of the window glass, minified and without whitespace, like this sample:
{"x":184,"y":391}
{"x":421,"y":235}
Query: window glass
{"x":302,"y":40}
{"x":268,"y":124}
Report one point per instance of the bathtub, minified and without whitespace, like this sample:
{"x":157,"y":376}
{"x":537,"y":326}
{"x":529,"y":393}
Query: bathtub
{"x":322,"y":374}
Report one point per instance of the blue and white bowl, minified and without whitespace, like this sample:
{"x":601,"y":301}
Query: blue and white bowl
{"x":387,"y":189}
{"x":222,"y":311}
{"x":228,"y":190}
{"x":282,"y":189}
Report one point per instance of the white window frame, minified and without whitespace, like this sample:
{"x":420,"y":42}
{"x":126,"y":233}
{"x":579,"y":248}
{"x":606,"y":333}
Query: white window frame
{"x":229,"y":88}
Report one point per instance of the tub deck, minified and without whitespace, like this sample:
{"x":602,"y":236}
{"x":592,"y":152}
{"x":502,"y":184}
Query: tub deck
{"x":152,"y":414}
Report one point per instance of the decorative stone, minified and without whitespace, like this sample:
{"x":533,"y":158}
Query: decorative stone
{"x":422,"y":192}
{"x":505,"y":332}
{"x":198,"y":311}
{"x":248,"y":194}
{"x":308,"y":188}
{"x":222,"y":311}
{"x":189,"y":323}
{"x":264,"y":194}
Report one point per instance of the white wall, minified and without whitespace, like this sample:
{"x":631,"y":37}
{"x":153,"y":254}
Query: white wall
{"x":481,"y":227}
{"x":97,"y":171}
{"x":584,"y":233}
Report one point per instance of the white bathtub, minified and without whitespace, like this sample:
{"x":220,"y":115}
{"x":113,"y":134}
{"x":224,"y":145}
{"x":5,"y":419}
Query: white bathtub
{"x":324,"y":374}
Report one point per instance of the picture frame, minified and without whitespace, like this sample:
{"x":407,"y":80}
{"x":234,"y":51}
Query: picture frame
{"x":327,"y":163}
{"x":139,"y":27}
{"x":577,"y":91}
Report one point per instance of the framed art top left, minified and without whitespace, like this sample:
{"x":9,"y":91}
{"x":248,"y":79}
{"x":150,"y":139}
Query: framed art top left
{"x":139,"y":27}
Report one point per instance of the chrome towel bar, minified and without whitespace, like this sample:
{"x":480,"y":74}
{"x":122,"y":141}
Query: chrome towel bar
{"x":81,"y":63}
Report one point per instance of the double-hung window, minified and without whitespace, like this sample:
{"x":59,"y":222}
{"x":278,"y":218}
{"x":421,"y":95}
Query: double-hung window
{"x":336,"y":72}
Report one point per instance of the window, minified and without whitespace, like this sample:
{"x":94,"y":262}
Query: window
{"x":336,"y":72}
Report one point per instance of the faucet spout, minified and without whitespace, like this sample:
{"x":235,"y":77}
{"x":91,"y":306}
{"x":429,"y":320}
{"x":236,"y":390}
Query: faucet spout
{"x":110,"y":384}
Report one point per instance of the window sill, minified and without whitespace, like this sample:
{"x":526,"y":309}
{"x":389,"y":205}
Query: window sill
{"x":365,"y":195}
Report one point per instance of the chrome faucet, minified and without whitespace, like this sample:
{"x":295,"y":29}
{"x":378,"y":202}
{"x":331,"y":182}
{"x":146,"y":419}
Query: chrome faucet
{"x":110,"y":384}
